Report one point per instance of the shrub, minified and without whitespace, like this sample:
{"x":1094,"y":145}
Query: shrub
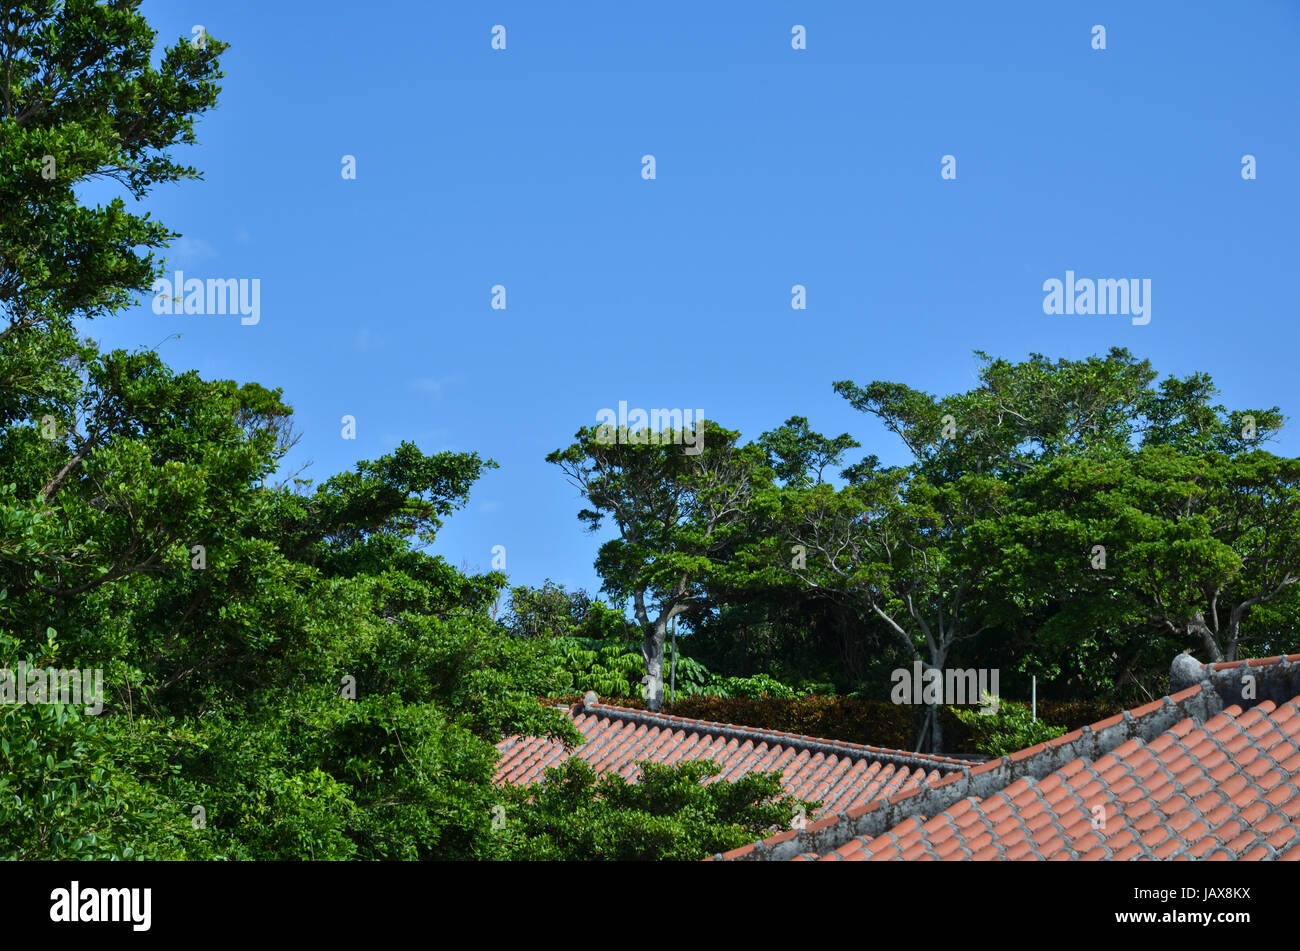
{"x":759,"y":685}
{"x":1007,"y":730}
{"x":672,"y":813}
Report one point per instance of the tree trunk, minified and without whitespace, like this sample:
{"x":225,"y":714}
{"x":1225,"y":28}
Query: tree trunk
{"x":1196,"y":627}
{"x":1234,"y":630}
{"x":938,"y":657}
{"x":652,"y":649}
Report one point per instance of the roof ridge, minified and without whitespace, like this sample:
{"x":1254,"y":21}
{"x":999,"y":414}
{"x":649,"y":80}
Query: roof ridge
{"x":756,"y":735}
{"x":1255,"y":661}
{"x":1271,"y":678}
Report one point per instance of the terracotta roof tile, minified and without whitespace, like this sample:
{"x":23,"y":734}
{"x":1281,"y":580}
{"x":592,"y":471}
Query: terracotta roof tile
{"x":1175,"y":803}
{"x":1240,"y":843}
{"x":1195,"y":831}
{"x":1163,"y":742}
{"x":1023,"y":849}
{"x":1007,"y":826}
{"x":1078,"y":827}
{"x":1289,"y":807}
{"x":1258,"y":767}
{"x":1198,"y":788}
{"x":1033,"y":809}
{"x":1284,"y":837}
{"x":1252,"y":812}
{"x":1132,"y":795}
{"x":1072,"y":767}
{"x":1168,"y":847}
{"x":1270,"y":823}
{"x":1143,"y":771}
{"x":1052,"y":845}
{"x":1153,"y":707}
{"x":883,"y":854}
{"x":1234,"y":785}
{"x":1041,"y":821}
{"x":1229,"y":830}
{"x":1154,"y":835}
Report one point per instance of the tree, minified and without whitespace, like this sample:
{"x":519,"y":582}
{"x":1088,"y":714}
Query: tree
{"x":82,"y":102}
{"x":548,"y":611}
{"x":905,"y":549}
{"x":798,"y":456}
{"x":317,"y":683}
{"x":679,"y":517}
{"x":1189,"y":544}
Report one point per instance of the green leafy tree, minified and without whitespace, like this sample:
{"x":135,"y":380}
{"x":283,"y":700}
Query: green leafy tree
{"x":1180,"y":545}
{"x":82,"y":102}
{"x":679,"y":517}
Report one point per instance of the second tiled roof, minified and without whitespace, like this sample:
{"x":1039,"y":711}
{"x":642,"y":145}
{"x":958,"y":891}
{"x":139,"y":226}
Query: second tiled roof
{"x":843,"y":775}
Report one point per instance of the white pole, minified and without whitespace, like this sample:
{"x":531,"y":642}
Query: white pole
{"x":1035,"y":710}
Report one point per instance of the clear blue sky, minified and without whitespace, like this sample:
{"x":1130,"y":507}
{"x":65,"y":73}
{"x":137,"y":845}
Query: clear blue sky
{"x":775,"y":167}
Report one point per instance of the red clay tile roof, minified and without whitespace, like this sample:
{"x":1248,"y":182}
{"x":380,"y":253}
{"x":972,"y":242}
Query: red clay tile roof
{"x":844,"y":775}
{"x":1193,"y":776}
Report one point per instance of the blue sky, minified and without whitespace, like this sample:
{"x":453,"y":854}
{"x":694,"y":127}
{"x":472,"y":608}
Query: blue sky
{"x":774,"y":167}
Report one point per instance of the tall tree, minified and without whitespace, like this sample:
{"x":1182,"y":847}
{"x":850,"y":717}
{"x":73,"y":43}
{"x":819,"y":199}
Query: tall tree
{"x":910,"y":552}
{"x":679,"y":517}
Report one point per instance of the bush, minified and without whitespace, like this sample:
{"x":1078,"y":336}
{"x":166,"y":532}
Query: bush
{"x":759,"y":685}
{"x":1009,"y":729}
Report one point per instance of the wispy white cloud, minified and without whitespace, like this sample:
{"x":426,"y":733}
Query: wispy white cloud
{"x":187,"y":250}
{"x":429,"y":384}
{"x":368,"y":340}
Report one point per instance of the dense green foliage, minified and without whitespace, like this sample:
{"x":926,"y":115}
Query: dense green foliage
{"x":1005,"y":727}
{"x":668,"y":813}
